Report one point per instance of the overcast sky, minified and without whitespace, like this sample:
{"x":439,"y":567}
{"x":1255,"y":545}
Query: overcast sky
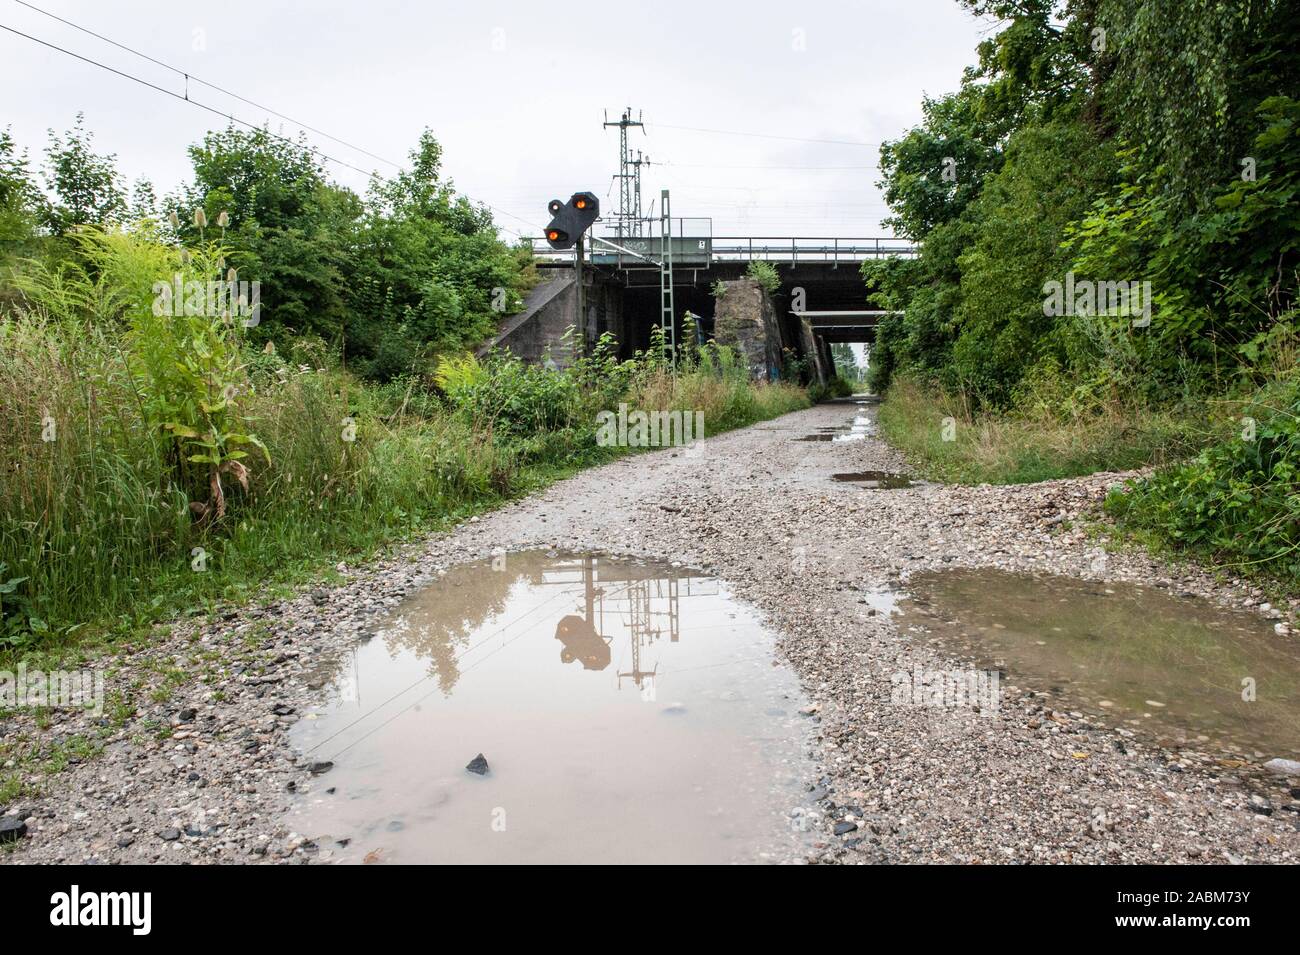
{"x":516,"y":93}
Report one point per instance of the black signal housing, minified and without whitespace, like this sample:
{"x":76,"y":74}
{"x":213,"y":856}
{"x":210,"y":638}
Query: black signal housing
{"x":571,"y":219}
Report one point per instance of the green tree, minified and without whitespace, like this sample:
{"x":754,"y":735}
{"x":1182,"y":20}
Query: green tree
{"x":87,"y":186}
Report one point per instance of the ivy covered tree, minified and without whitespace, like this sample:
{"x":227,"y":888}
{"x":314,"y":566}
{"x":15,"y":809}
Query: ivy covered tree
{"x":1121,"y":140}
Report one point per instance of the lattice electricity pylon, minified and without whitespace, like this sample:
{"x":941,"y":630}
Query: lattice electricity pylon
{"x":629,"y":177}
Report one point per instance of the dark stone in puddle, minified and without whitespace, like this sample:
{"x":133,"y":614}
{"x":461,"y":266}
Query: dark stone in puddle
{"x":880,"y":480}
{"x":321,"y":766}
{"x":12,"y":829}
{"x":842,"y":827}
{"x":816,"y":437}
{"x":478,"y":765}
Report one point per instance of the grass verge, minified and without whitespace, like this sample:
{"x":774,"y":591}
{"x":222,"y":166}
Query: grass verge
{"x":943,"y":441}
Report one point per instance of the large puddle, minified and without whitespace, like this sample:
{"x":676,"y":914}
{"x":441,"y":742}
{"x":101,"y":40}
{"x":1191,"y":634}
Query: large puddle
{"x":627,"y":711}
{"x":1194,"y":675}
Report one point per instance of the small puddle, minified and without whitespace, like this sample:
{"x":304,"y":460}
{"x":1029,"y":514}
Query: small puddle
{"x":1136,"y":656}
{"x":880,"y":480}
{"x":858,"y":430}
{"x":629,"y":712}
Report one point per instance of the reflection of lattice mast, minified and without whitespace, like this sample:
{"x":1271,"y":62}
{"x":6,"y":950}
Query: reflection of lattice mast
{"x":640,"y":627}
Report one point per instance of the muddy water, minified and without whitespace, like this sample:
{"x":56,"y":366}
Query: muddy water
{"x":1139,"y":657}
{"x":628,"y":712}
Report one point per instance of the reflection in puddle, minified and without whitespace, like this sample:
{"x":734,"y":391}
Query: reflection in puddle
{"x":882,"y":480}
{"x":858,"y":430}
{"x":628,"y":712}
{"x":1175,"y":667}
{"x":861,"y":428}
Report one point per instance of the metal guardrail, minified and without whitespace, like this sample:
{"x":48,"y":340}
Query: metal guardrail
{"x":794,"y":249}
{"x":788,"y":249}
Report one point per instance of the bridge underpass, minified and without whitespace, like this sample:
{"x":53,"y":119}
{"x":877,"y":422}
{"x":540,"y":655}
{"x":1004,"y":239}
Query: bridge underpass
{"x":820,"y":286}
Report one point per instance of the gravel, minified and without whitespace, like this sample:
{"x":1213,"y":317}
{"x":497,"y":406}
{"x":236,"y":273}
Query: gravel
{"x":203,"y":770}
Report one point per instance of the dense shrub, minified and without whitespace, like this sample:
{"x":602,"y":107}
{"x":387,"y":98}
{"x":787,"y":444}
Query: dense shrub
{"x":1238,"y":500}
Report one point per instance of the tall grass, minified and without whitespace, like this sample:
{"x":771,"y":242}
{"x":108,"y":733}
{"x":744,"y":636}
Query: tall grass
{"x":941,"y":437}
{"x":107,"y":520}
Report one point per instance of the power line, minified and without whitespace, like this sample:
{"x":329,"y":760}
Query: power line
{"x":793,"y":139}
{"x":802,"y":168}
{"x":234,"y":119}
{"x":456,"y":658}
{"x":190,"y":76}
{"x":186,"y":99}
{"x":418,"y":701}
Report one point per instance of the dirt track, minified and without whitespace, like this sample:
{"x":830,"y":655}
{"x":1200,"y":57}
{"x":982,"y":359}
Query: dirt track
{"x":758,"y":509}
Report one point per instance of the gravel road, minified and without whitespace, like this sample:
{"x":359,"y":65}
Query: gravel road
{"x":205,"y":772}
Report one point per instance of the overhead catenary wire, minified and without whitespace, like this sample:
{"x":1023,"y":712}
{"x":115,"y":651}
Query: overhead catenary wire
{"x":406,"y":709}
{"x":186,"y":98}
{"x":793,"y":139}
{"x":190,"y":77}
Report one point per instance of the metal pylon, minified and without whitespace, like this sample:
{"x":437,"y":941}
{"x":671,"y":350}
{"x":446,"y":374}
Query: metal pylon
{"x":629,"y":181}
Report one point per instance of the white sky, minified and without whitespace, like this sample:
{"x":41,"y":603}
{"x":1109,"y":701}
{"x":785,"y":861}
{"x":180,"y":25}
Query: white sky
{"x":516,"y":92}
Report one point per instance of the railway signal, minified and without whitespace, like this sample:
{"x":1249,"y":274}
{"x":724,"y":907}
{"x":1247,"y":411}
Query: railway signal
{"x":570,"y":220}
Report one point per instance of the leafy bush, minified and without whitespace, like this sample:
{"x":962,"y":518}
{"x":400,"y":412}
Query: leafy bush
{"x":1238,"y":500}
{"x":765,"y":274}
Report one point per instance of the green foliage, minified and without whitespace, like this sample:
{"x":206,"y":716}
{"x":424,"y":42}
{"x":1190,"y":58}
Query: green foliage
{"x":1237,"y":501}
{"x":154,"y":462}
{"x":1081,"y":127}
{"x":388,"y":282}
{"x":944,"y":439}
{"x":1050,"y":176}
{"x":837,"y":387}
{"x":87,"y":187}
{"x":765,"y":274}
{"x":1183,"y":81}
{"x":22,"y":205}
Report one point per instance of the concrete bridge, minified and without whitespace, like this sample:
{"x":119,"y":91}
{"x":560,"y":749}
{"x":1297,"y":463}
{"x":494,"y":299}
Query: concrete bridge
{"x":821,"y":298}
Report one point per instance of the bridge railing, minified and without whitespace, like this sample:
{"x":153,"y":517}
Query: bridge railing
{"x":787,"y":249}
{"x":795,"y":249}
